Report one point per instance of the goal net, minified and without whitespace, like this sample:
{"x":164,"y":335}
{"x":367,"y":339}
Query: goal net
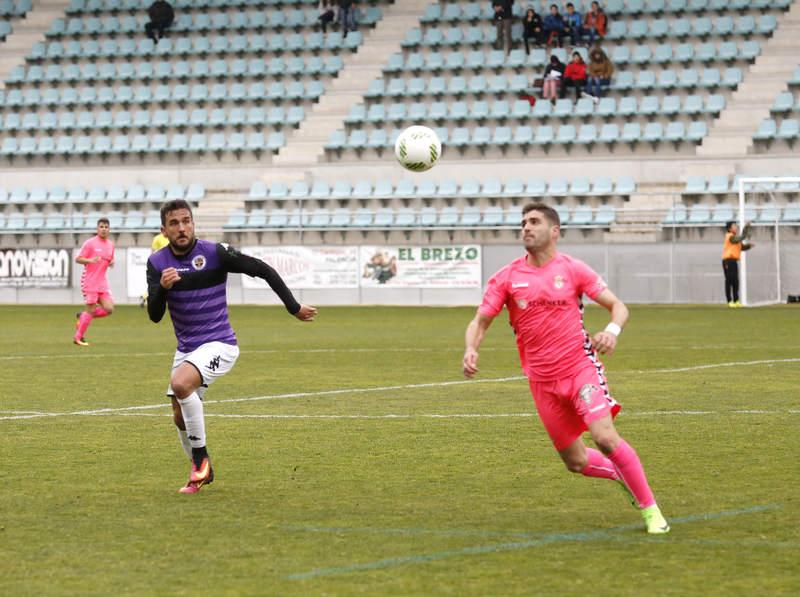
{"x":762,"y":201}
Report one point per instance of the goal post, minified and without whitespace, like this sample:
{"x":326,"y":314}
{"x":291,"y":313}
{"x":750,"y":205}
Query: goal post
{"x":760,"y":269}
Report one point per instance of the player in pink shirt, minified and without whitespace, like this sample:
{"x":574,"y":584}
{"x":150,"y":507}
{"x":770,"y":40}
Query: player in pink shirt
{"x":96,"y":255}
{"x":542,"y":291}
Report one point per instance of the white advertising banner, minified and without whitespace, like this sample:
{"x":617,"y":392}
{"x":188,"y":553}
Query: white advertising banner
{"x":137,"y":272}
{"x":35,"y":268}
{"x":308,"y":267}
{"x":421,"y":267}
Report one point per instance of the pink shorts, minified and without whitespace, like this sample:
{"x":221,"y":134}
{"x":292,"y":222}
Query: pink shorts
{"x":92,"y":297}
{"x":567,"y":406}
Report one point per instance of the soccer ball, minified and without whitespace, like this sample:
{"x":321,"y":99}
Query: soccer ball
{"x":417,"y":148}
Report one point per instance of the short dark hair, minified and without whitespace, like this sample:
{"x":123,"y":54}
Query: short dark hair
{"x":103,"y":221}
{"x":174,"y":205}
{"x":548,"y":212}
{"x":728,"y":225}
{"x":570,"y":4}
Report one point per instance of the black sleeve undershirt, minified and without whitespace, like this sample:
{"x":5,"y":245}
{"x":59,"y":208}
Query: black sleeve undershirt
{"x":239,"y":263}
{"x":156,"y":294}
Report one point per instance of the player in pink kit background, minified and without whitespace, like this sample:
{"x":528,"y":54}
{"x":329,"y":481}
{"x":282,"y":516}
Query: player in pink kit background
{"x":96,"y":255}
{"x":542,"y":291}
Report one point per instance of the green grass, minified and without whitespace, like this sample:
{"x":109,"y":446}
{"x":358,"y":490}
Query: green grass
{"x":314,"y":503}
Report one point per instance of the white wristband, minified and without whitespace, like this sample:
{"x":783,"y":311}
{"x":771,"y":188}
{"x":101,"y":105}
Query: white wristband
{"x":613,"y":328}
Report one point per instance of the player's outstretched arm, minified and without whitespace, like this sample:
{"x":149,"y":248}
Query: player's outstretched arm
{"x":606,"y":341}
{"x":472,"y":339}
{"x":156,"y":293}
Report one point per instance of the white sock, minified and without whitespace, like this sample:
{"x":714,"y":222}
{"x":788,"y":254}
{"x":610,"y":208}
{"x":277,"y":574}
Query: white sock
{"x":192,"y":409}
{"x":185,"y":444}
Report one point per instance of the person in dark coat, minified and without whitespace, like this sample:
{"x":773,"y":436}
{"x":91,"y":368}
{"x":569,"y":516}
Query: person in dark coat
{"x":161,"y":16}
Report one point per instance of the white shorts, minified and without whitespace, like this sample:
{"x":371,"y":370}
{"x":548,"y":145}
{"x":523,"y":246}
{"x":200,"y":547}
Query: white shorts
{"x":212,"y":360}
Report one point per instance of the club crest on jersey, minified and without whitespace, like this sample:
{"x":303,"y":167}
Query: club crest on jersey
{"x":199,"y":262}
{"x":586,"y":392}
{"x":522,"y":303}
{"x":558,"y":282}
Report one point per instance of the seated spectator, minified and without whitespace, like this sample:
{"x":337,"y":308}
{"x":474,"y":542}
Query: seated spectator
{"x":573,"y":24}
{"x":553,"y":26}
{"x":598,"y":74}
{"x":326,"y":14}
{"x":348,"y":16}
{"x":532,"y":29}
{"x":552,"y":78}
{"x":161,"y":18}
{"x":574,"y":76}
{"x":594,"y":24}
{"x":503,"y":19}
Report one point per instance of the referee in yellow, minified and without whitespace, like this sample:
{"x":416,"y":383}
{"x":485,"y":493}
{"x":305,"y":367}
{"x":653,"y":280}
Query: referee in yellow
{"x":732,"y":249}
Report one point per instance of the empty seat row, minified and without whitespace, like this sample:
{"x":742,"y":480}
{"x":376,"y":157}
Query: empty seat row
{"x":538,"y":57}
{"x":181,"y":69}
{"x":472,"y":11}
{"x":607,"y":107}
{"x":100,"y":194}
{"x":698,"y":185}
{"x":200,"y":21}
{"x":703,"y":214}
{"x":15,"y":8}
{"x":164,"y":94}
{"x":103,"y":145}
{"x":184,"y":46}
{"x":785,"y":102}
{"x":494,"y":188}
{"x":56,"y":222}
{"x":428,"y":217}
{"x":142,"y":119}
{"x":525,"y":136}
{"x":98,"y":6}
{"x":788,"y":130}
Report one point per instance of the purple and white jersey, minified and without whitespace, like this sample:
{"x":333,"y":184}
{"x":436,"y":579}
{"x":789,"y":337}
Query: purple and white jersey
{"x":198,"y":303}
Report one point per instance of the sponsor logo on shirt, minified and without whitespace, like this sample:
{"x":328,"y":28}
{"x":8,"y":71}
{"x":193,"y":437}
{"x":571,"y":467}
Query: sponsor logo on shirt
{"x":519,"y":284}
{"x":199,"y":262}
{"x":558,"y":282}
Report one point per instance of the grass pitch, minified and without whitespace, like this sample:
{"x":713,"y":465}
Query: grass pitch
{"x":351,"y":458}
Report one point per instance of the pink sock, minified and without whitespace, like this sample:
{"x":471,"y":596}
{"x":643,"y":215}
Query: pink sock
{"x":99,"y":312}
{"x":630,"y":469}
{"x":83,"y":323}
{"x":599,"y":466}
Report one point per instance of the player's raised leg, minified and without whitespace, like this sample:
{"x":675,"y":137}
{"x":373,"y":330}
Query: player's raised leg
{"x":185,"y":382}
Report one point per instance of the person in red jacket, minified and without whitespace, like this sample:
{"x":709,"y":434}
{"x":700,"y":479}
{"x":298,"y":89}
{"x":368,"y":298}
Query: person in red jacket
{"x":574,"y":76}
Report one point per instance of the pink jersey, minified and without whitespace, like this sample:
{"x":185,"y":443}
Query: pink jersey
{"x":546,"y":312}
{"x":94,"y":274}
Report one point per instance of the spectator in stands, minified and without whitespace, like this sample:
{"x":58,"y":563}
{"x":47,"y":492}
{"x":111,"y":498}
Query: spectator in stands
{"x":554,"y":26}
{"x":573,"y":23}
{"x":161,"y":18}
{"x":532,"y":29}
{"x":598,"y":74}
{"x":732,"y":249}
{"x":326,"y":14}
{"x":552,"y":78}
{"x":503,"y":19}
{"x":574,"y":76}
{"x":348,"y":16}
{"x":594,"y":24}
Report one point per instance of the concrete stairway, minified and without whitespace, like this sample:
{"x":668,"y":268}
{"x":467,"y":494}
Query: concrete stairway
{"x":27,"y":32}
{"x":731,"y":135}
{"x":306,"y":145}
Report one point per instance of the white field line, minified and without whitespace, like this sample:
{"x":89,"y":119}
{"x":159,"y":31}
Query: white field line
{"x":32,"y":415}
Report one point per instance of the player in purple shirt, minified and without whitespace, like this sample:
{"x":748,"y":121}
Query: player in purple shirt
{"x":189,"y":277}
